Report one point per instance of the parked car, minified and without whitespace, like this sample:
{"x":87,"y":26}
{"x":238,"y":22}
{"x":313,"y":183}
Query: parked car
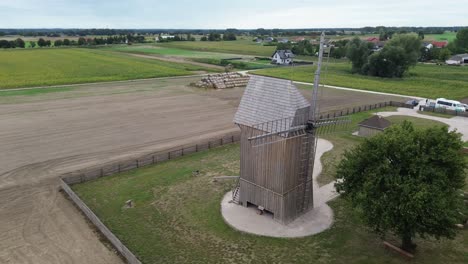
{"x":450,"y":105}
{"x":413,"y":102}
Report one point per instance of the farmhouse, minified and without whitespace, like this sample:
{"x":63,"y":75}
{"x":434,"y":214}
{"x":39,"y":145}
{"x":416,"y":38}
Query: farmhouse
{"x":283,"y":40}
{"x":282,"y":57}
{"x":460,"y":59}
{"x":427,"y":45}
{"x":372,"y":126}
{"x":372,"y":39}
{"x":164,"y":37}
{"x":440,"y":44}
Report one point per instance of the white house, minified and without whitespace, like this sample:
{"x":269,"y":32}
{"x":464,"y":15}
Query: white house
{"x":164,"y":37}
{"x":460,"y":59}
{"x":282,"y":57}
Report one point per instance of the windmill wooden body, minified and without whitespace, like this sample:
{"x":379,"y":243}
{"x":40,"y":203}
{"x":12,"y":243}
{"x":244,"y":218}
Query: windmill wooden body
{"x":278,"y":142}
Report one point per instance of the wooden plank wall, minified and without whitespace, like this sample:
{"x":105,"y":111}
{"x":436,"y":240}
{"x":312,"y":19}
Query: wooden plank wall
{"x":270,"y":174}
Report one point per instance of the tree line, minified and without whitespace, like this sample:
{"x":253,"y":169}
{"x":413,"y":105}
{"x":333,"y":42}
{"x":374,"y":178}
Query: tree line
{"x":120,"y":39}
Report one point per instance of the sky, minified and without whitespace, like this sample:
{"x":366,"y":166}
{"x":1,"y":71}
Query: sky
{"x":218,"y":14}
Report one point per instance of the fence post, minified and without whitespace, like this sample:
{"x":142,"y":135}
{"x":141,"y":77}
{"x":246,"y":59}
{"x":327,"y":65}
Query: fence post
{"x":102,"y":172}
{"x":222,"y":141}
{"x":209,"y":144}
{"x":232,"y":138}
{"x":118,"y":168}
{"x":153,"y":159}
{"x":168,"y":155}
{"x":182,"y":151}
{"x":196,"y":147}
{"x":137,"y":164}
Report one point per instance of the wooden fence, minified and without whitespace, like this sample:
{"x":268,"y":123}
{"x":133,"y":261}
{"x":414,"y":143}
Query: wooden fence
{"x":148,"y":159}
{"x":111,"y":168}
{"x":119,"y":246}
{"x":116,"y":167}
{"x":443,"y":111}
{"x":362,"y":108}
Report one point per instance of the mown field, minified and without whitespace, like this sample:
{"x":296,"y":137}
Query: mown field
{"x":177,"y":219}
{"x":446,"y":36}
{"x":41,"y":67}
{"x":428,"y":81}
{"x":168,"y":51}
{"x":245,"y":47}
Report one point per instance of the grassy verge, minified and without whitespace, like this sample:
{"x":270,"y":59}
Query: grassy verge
{"x":36,"y":91}
{"x":238,"y":64}
{"x":42,"y":67}
{"x":176,"y":219}
{"x":428,"y":81}
{"x":435,"y":114}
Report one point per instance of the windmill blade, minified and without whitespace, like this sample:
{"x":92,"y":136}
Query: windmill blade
{"x":278,"y":130}
{"x":327,"y":126}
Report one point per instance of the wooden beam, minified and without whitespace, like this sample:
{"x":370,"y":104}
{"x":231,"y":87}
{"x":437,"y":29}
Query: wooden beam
{"x":398,"y":250}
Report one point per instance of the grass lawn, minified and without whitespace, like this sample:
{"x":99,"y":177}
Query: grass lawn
{"x":245,"y":47}
{"x":435,"y":114}
{"x":446,"y":36}
{"x":428,"y":81}
{"x":169,"y":51}
{"x":177,"y":219}
{"x":41,"y":67}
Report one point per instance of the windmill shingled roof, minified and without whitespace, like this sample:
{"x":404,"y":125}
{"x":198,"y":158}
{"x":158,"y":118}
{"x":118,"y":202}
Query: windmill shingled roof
{"x":376,"y":121}
{"x":268,"y":99}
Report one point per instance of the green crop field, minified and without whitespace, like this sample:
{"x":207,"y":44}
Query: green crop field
{"x":446,"y":36}
{"x":168,"y":51}
{"x":177,"y":219}
{"x":428,"y":81}
{"x":244,"y":47}
{"x":42,"y":67}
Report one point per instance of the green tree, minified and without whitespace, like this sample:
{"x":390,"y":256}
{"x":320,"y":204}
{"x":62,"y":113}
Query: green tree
{"x":406,"y":181}
{"x":82,"y":41}
{"x":58,"y":43}
{"x":33,"y":44}
{"x":444,"y":54}
{"x":357,"y":51}
{"x":41,"y":42}
{"x":66,"y":42}
{"x":20,"y":43}
{"x":411,"y":46}
{"x":461,"y":42}
{"x":389,"y":62}
{"x":421,"y":35}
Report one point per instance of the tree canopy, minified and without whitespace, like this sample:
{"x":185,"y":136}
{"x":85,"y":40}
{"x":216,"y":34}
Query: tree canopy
{"x":401,"y":52}
{"x":461,"y":42}
{"x":406,"y":181}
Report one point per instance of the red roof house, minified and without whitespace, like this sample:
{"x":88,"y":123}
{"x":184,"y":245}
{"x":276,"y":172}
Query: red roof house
{"x":372,"y":39}
{"x":440,"y":44}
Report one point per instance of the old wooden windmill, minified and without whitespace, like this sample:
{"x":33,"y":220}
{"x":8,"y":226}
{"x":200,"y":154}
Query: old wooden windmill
{"x":279,"y":132}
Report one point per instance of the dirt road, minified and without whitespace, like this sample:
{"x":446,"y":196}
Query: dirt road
{"x":45,"y":135}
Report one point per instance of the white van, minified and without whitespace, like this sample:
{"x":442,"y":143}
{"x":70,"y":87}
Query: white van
{"x":449,"y":105}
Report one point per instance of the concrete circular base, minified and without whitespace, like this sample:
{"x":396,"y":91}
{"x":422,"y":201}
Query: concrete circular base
{"x":246,"y":219}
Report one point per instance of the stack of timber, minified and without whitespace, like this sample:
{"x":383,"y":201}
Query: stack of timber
{"x":223,"y":81}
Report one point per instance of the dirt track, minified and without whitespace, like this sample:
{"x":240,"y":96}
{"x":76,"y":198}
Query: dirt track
{"x":45,"y":135}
